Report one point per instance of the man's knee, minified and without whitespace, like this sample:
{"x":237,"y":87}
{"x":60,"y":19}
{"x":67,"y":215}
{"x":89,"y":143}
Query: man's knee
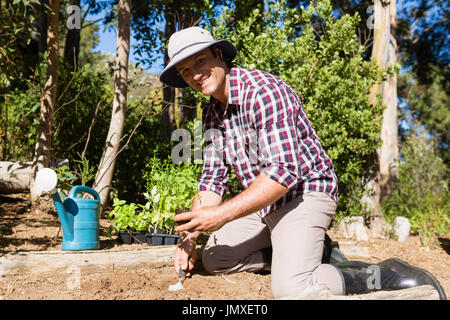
{"x":324,"y":274}
{"x":215,"y":260}
{"x":209,"y":261}
{"x":288,"y":288}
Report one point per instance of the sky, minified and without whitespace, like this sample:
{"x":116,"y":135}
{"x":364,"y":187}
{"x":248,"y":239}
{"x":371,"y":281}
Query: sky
{"x":108,"y":42}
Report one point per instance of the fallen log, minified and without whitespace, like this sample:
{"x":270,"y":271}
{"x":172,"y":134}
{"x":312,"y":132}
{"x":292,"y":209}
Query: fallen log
{"x":15,"y":176}
{"x":321,"y":292}
{"x":36,"y":262}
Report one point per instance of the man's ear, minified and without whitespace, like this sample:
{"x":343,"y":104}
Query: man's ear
{"x":219,"y":54}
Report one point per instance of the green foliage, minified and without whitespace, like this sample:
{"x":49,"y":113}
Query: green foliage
{"x":422,"y":36}
{"x":170,"y":187}
{"x":81,"y":174}
{"x":428,"y":106}
{"x":421,"y":194}
{"x":66,"y":177}
{"x":77,"y":99}
{"x":16,"y":21}
{"x":197,"y":140}
{"x":324,"y":65}
{"x":126,"y":217}
{"x":84,"y":170}
{"x":79,"y":95}
{"x":22,"y":120}
{"x":21,"y":123}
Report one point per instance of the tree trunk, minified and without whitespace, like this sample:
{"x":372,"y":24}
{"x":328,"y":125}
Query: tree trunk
{"x":43,"y":26}
{"x":168,"y":113}
{"x":106,"y":167}
{"x":389,"y":131}
{"x":39,"y":31}
{"x":384,"y":50}
{"x":42,"y":153}
{"x":15,"y":176}
{"x":72,"y":45}
{"x":4,"y":134}
{"x":187,"y":109}
{"x":168,"y":123}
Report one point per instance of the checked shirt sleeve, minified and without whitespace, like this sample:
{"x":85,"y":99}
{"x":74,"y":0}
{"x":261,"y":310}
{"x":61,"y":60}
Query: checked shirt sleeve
{"x":215,"y":173}
{"x":277,"y":137}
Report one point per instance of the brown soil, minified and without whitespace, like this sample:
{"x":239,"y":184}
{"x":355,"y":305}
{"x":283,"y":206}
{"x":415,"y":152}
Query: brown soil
{"x":21,"y":230}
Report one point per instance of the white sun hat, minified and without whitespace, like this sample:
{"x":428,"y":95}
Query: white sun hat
{"x":185,"y":43}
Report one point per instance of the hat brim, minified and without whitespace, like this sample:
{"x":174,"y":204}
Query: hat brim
{"x":170,"y":75}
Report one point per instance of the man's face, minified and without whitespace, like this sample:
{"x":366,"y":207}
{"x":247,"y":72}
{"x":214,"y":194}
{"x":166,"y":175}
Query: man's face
{"x":204,"y":72}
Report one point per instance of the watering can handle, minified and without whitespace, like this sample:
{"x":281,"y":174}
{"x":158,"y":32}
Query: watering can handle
{"x":73,"y":192}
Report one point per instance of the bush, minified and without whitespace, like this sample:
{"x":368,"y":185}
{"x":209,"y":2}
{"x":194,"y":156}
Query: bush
{"x":79,"y":94}
{"x":21,"y":124}
{"x":22,"y":120}
{"x":76,"y":101}
{"x":421,"y":194}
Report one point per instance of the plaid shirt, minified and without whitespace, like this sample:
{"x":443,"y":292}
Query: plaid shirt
{"x":264,"y":129}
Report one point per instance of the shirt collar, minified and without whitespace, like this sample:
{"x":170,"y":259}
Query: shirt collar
{"x":234,"y":86}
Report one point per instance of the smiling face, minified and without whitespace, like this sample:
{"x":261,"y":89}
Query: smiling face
{"x":207,"y":73}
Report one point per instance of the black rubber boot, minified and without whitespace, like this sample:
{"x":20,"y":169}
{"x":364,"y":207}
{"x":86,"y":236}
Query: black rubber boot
{"x":392,"y":274}
{"x":331,"y":253}
{"x":418,"y":276}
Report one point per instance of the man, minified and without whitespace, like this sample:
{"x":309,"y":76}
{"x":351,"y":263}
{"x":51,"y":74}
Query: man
{"x":257,"y":125}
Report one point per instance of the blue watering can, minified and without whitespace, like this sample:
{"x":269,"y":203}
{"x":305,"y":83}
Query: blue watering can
{"x":79,"y":216}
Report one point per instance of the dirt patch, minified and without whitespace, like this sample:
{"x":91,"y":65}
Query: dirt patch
{"x":21,"y":230}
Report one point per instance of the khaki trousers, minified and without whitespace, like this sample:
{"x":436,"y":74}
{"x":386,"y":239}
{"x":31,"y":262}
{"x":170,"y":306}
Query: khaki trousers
{"x":295,"y":232}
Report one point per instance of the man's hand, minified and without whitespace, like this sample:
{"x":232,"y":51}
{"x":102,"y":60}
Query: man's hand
{"x":185,"y":254}
{"x":205,"y":219}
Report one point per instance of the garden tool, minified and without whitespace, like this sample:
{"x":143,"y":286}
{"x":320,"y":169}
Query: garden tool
{"x":179,"y":285}
{"x":79,"y":217}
